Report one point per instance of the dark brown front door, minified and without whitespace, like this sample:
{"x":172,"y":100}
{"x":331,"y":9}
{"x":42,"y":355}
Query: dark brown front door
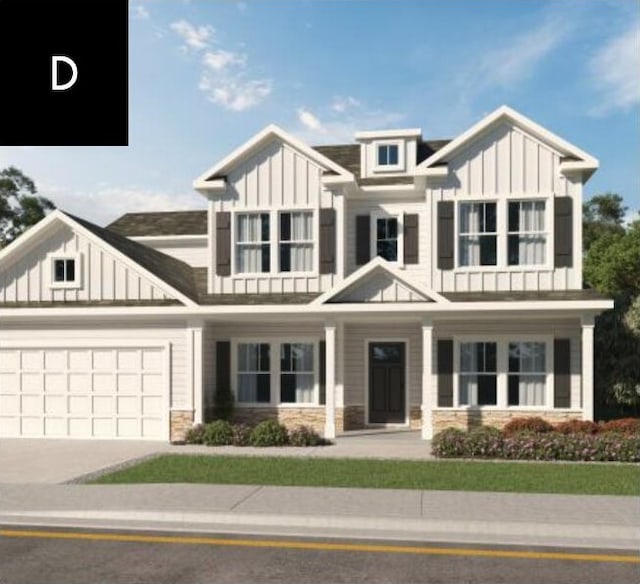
{"x":386,"y":383}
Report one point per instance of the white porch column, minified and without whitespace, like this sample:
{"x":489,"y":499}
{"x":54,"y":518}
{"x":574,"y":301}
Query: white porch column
{"x":427,"y":379}
{"x":587,"y":367}
{"x":330,"y":381}
{"x":194,"y":370}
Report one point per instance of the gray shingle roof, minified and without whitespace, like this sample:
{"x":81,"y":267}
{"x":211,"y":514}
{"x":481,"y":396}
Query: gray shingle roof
{"x":586,"y":294}
{"x":169,"y":269}
{"x":165,"y":223}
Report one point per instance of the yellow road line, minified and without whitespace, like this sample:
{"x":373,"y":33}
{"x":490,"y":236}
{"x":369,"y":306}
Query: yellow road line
{"x":321,"y":546}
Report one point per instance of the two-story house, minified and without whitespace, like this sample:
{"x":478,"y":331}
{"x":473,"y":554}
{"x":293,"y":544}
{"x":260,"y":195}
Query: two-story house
{"x":392,"y":281}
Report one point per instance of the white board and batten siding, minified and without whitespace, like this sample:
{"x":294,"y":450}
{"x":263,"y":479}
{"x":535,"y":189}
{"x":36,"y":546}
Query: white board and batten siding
{"x":507,"y":164}
{"x":103,"y":276}
{"x":379,"y":287}
{"x":99,"y":380}
{"x":278,"y":178}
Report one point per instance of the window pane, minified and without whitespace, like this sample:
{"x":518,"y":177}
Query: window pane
{"x":514,"y":216}
{"x":381,"y":228}
{"x":487,"y":390}
{"x":58,"y":268}
{"x":285,"y":257}
{"x":392,"y":228}
{"x":264,"y":224}
{"x":266,"y":258}
{"x":285,"y":227}
{"x":263,"y":393}
{"x":388,"y":250}
{"x":490,"y":217}
{"x":488,"y":254}
{"x":71,"y":270}
{"x":393,"y":154}
{"x":382,"y":155}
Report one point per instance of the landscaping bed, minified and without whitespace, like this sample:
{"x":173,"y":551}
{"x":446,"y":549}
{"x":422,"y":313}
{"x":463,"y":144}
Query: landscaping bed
{"x":535,"y":439}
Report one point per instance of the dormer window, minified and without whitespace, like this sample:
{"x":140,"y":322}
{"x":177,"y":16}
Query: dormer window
{"x":389,"y":156}
{"x":65,"y":271}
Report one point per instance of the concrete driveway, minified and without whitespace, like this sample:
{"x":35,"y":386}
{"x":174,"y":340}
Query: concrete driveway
{"x":58,"y":461}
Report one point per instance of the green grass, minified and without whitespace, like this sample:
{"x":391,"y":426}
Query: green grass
{"x":581,"y":479}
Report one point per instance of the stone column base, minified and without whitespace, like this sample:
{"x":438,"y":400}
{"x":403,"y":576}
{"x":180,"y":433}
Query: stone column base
{"x":181,"y":422}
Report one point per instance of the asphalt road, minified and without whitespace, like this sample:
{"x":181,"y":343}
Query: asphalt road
{"x":42,"y":555}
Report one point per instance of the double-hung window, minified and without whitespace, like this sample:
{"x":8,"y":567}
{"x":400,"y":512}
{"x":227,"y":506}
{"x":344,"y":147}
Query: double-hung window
{"x":527,"y":374}
{"x":478,"y":236}
{"x":527,"y":240}
{"x":253,"y":250}
{"x":254,"y":372}
{"x":386,"y":242}
{"x":478,"y":374}
{"x":388,"y":155}
{"x":297,"y":380}
{"x":64,"y":270}
{"x":296,"y":241}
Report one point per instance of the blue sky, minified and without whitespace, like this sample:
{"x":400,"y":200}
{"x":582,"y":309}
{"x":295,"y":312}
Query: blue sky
{"x":206,"y":75}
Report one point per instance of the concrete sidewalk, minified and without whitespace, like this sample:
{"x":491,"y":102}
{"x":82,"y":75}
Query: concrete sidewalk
{"x":435,"y":516}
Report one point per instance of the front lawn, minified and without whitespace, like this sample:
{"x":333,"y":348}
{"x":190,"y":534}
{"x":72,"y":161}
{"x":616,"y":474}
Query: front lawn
{"x":579,"y":479}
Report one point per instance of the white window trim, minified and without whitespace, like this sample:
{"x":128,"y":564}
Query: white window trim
{"x":382,"y":214}
{"x":68,"y":285}
{"x":502,"y":370}
{"x":407,"y":378}
{"x":275,"y":371}
{"x":315,"y":257}
{"x":502,"y":242}
{"x":389,"y":167}
{"x":547,"y":395}
{"x":274,"y":243}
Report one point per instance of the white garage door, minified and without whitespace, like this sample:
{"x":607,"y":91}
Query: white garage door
{"x":79,"y":392}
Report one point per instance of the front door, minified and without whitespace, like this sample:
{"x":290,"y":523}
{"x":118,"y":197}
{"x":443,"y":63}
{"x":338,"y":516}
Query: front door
{"x":386,"y":383}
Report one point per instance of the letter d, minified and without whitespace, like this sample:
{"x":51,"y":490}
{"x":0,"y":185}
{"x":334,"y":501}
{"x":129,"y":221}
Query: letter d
{"x":55,"y":86}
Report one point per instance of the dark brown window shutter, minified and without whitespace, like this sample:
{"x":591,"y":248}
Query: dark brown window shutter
{"x":411,"y":233}
{"x":223,"y":365}
{"x":445,"y":235}
{"x":563,"y":232}
{"x":223,"y":243}
{"x":562,"y":373}
{"x":322,"y":372}
{"x":445,"y":373}
{"x":327,"y":241}
{"x":363,"y":239}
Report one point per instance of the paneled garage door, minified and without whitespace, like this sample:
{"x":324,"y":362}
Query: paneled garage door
{"x":79,"y":392}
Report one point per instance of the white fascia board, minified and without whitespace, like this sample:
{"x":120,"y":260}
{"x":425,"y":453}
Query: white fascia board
{"x":440,"y":171}
{"x":387,"y":188}
{"x":446,"y":311}
{"x":384,"y":134}
{"x":502,"y":113}
{"x":214,"y":186}
{"x":31,"y":234}
{"x":362,"y":273}
{"x":252,"y":145}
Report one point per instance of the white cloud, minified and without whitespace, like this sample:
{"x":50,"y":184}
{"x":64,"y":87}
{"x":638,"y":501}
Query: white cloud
{"x":615,"y":72}
{"x":341,"y":104}
{"x":195,"y":38}
{"x":309,"y":121}
{"x":518,"y":57}
{"x":140,"y":12}
{"x":224,"y":78}
{"x":236,"y":94}
{"x":340,"y":126}
{"x":218,"y":60}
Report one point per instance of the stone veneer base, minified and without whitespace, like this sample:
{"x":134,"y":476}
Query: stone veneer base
{"x":181,"y":422}
{"x":466,"y":419}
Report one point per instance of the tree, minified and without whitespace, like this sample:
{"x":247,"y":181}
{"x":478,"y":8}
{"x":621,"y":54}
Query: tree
{"x":20,"y":205}
{"x":612,"y":266}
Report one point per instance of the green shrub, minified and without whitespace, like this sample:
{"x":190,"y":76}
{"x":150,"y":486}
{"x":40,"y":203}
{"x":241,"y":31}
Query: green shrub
{"x":218,"y":433}
{"x":527,"y":424}
{"x":484,"y":442}
{"x":269,"y":433}
{"x":241,"y":434}
{"x":306,"y":436}
{"x":630,"y":426}
{"x":577,"y":427}
{"x":195,"y":434}
{"x":449,"y":443}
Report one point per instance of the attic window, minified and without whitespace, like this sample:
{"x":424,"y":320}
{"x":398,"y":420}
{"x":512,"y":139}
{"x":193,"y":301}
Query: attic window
{"x":389,"y":156}
{"x":65,"y":271}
